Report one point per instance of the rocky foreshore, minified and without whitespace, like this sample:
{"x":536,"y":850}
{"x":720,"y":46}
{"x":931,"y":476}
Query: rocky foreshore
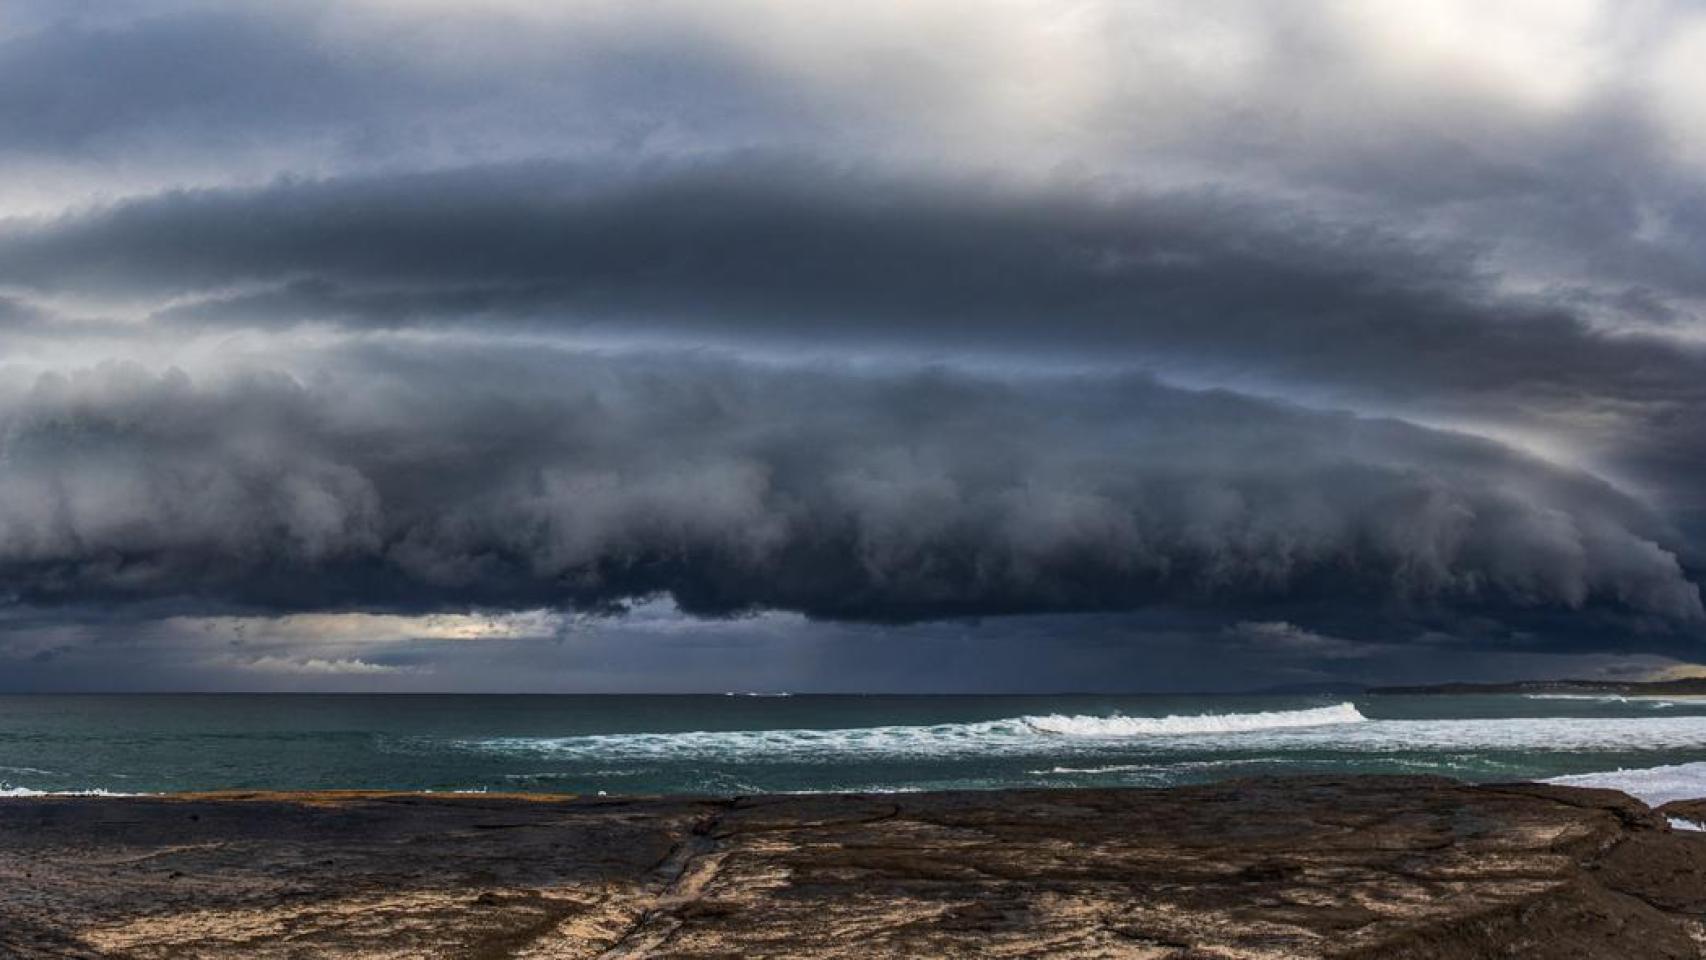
{"x":1370,"y":867}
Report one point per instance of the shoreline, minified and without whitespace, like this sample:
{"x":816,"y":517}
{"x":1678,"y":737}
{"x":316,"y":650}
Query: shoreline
{"x":1323,"y":866}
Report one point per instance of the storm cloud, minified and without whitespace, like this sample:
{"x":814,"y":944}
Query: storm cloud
{"x":1304,"y":330}
{"x":763,"y":252}
{"x":417,"y":483}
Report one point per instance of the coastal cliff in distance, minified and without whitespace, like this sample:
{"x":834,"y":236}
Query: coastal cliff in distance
{"x":1351,"y":868}
{"x":1687,"y":687}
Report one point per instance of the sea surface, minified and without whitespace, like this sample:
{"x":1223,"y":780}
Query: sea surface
{"x":740,"y":744}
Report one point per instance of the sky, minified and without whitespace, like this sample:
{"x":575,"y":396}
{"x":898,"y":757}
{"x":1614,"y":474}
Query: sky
{"x":912,"y":345}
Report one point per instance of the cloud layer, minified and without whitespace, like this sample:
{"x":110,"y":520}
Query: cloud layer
{"x":1315,"y":327}
{"x":417,"y":481}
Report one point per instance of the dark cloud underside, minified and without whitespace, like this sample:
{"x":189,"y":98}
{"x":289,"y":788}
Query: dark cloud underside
{"x":763,"y":250}
{"x":427,"y":482}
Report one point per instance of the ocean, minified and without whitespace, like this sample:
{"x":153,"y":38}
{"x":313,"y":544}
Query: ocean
{"x":743,"y":744}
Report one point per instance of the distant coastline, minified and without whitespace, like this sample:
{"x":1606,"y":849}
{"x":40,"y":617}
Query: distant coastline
{"x":1692,"y":686}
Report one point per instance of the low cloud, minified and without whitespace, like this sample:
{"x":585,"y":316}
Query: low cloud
{"x":314,"y":667}
{"x":498,"y":478}
{"x":766,"y":253}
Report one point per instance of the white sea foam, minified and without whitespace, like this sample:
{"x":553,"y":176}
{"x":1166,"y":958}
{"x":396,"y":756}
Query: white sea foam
{"x":1165,"y":769}
{"x":1646,"y":701}
{"x":1651,"y":785}
{"x":7,"y":790}
{"x":1514,"y":734}
{"x":934,"y":740}
{"x":1014,"y":736}
{"x":1085,"y":741}
{"x":1109,"y":768}
{"x":1208,"y":723}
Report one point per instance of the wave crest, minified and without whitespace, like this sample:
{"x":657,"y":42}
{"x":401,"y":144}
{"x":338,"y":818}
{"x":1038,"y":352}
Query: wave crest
{"x":1062,"y":725}
{"x":1020,"y":735}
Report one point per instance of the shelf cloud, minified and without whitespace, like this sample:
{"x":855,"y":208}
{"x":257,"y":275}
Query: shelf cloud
{"x":424,"y":480}
{"x":1312,"y":330}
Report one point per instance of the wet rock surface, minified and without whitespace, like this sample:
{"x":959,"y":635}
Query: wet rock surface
{"x":1373,"y":867}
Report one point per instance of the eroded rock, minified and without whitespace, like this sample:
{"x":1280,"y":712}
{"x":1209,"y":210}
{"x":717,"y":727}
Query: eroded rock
{"x":1373,"y":867}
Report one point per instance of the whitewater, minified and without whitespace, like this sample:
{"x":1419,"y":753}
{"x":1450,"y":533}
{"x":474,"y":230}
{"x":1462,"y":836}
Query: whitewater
{"x":1338,"y":727}
{"x":1025,"y":734}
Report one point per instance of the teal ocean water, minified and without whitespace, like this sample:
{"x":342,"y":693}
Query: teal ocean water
{"x":741,"y":744}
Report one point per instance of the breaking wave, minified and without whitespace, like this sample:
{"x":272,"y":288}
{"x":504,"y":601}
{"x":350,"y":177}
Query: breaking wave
{"x":1093,"y":741}
{"x":1194,"y":723}
{"x":1017,"y":735}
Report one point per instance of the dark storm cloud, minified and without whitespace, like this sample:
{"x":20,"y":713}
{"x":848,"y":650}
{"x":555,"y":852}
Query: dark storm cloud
{"x":1205,"y":284}
{"x":419,"y":481}
{"x":776,"y":250}
{"x":381,"y":237}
